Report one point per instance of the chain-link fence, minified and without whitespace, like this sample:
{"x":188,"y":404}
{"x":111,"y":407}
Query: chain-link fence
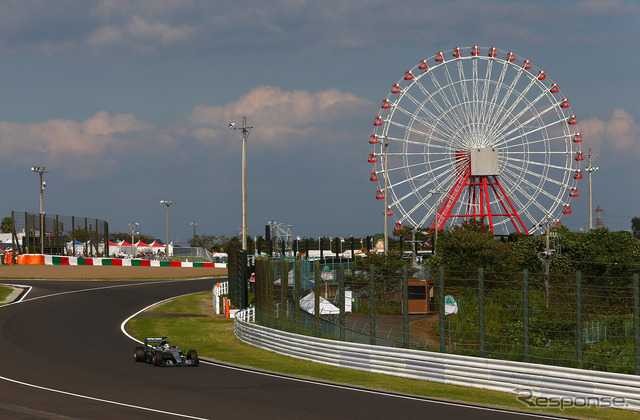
{"x":61,"y":235}
{"x":566,"y":320}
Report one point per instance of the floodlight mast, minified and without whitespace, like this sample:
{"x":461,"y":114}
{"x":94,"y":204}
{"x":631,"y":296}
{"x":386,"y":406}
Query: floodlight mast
{"x":244,"y":133}
{"x":590,"y":169}
{"x":166,"y":203}
{"x":43,"y":185}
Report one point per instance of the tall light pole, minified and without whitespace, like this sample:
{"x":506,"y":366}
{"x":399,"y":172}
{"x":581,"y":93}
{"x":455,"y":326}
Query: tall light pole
{"x":244,"y":132}
{"x":386,"y":206}
{"x":437,"y":193}
{"x":194,"y":224}
{"x":133,"y":227}
{"x":41,"y":170}
{"x":166,"y":203}
{"x":590,"y":169}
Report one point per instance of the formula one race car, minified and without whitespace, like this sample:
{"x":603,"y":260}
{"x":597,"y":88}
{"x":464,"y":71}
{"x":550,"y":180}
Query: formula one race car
{"x":157,"y":351}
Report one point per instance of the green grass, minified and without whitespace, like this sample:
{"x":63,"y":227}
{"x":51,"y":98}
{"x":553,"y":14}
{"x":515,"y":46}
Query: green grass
{"x":5,"y":291}
{"x":213,"y":338}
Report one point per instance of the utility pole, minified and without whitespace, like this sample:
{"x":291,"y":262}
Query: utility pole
{"x":244,"y":132}
{"x":437,"y":193}
{"x":41,"y":170}
{"x":386,"y":208}
{"x":590,"y":169}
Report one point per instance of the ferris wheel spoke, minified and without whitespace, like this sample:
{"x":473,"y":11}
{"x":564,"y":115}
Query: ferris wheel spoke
{"x":543,"y":140}
{"x":527,"y":199}
{"x":493,"y":104}
{"x":410,"y":129}
{"x":430,"y":99}
{"x":527,"y":181}
{"x":525,"y":133}
{"x":452,"y":90}
{"x":505,"y":98}
{"x":421,"y":106}
{"x":466,"y":100}
{"x":520,"y":96}
{"x":543,"y":174}
{"x":452,"y":109}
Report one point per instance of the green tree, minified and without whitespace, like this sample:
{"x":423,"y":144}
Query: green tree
{"x":6,"y":225}
{"x":469,"y":246}
{"x":207,"y":242}
{"x":635,"y":226}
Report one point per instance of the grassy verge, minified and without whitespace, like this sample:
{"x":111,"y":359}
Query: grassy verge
{"x":4,"y":292}
{"x":213,"y":338}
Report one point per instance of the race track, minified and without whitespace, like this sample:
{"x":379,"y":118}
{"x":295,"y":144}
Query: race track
{"x":63,"y":356}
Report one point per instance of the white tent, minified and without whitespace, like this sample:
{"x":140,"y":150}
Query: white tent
{"x":308,"y":304}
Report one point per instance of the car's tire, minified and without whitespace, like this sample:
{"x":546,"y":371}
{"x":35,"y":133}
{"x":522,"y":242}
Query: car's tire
{"x":157,"y":358}
{"x":193,"y":355}
{"x":138,"y":354}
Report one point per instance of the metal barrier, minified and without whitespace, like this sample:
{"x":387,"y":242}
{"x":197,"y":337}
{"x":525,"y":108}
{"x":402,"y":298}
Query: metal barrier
{"x":220,"y":289}
{"x":532,"y":381}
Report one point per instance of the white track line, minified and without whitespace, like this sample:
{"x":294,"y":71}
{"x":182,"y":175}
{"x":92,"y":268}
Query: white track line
{"x":329,"y":385}
{"x":87,"y":397}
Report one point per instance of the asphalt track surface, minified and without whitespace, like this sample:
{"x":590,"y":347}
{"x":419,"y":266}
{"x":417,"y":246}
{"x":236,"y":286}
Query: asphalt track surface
{"x":64,"y":356}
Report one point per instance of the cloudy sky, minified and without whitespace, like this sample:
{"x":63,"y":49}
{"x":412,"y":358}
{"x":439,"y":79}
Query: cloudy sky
{"x":127,"y":103}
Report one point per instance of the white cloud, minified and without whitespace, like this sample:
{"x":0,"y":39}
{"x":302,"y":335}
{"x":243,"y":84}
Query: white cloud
{"x":619,"y":136}
{"x":280,"y":117}
{"x":91,"y":148}
{"x":103,"y":143}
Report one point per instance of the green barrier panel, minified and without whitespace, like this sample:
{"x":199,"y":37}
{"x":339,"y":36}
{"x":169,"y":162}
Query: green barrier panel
{"x":55,"y":260}
{"x":136,"y":263}
{"x":81,"y":261}
{"x":106,"y":261}
{"x":165,"y":264}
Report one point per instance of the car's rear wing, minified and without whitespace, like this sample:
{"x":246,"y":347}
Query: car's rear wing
{"x":151,"y":340}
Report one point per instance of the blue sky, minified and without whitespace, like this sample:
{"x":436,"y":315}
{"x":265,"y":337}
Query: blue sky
{"x":127,"y":103}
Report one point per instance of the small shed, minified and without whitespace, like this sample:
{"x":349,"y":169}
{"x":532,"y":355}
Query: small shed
{"x":421,"y":296}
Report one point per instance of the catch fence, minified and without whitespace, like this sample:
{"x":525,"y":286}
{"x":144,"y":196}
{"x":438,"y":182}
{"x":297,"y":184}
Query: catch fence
{"x":566,"y":320}
{"x":61,"y":235}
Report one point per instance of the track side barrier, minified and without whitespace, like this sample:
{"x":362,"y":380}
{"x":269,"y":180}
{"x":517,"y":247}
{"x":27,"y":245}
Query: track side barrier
{"x":38,"y":259}
{"x":527,"y":380}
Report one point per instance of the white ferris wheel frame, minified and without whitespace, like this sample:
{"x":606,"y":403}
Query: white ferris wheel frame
{"x":481,"y":99}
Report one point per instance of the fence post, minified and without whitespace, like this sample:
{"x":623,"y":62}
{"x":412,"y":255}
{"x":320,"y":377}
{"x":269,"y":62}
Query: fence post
{"x":270,"y":292}
{"x":284,"y":289}
{"x":636,"y":324}
{"x":243,"y":288}
{"x":405,"y":306}
{"x":296,"y":293}
{"x":441,"y":316}
{"x":525,"y":314}
{"x":372,"y":306}
{"x":481,"y":329}
{"x":341,"y":298}
{"x":316,"y":298}
{"x":579,"y":338}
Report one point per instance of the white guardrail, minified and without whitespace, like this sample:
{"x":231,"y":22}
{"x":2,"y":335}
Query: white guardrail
{"x":534,"y":384}
{"x":219,"y":289}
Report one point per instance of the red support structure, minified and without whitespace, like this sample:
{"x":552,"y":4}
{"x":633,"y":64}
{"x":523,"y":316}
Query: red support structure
{"x":481,"y":190}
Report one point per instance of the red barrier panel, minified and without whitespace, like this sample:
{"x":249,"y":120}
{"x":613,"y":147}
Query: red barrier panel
{"x":116,"y":261}
{"x":30,"y":259}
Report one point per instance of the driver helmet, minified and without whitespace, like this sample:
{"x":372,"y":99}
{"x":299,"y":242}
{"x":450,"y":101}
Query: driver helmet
{"x":165,"y":346}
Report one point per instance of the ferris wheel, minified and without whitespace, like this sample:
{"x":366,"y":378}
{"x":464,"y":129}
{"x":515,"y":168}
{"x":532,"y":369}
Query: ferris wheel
{"x":475,"y":133}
